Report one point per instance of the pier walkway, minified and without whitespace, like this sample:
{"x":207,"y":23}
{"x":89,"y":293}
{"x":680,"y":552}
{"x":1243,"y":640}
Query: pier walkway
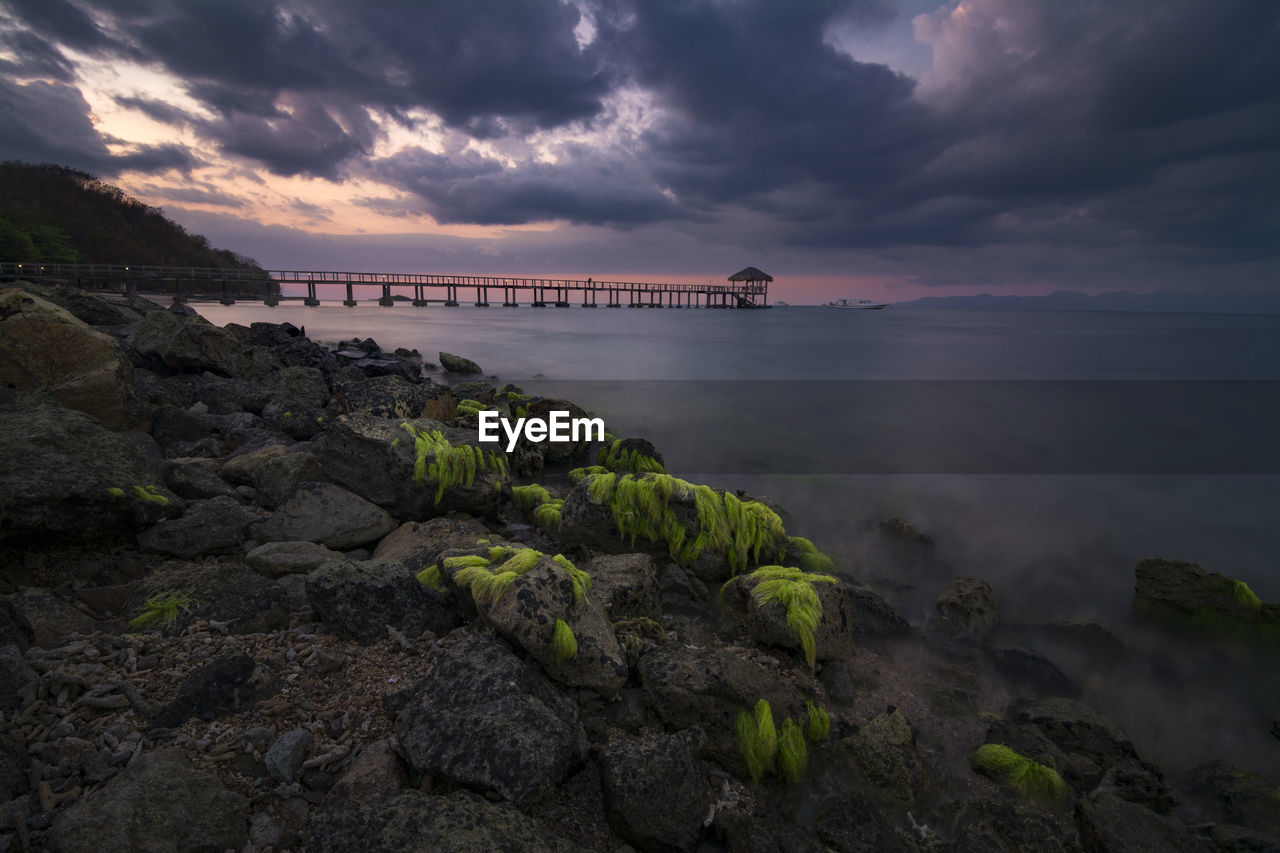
{"x":418,"y":289}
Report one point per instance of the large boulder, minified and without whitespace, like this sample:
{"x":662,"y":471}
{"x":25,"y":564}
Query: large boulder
{"x":386,"y":396}
{"x":1183,"y":595}
{"x":483,"y":718}
{"x":193,"y":343}
{"x":885,"y":751}
{"x":968,"y":606}
{"x":1088,"y":739}
{"x":457,"y":364}
{"x":224,"y":686}
{"x":360,"y":600}
{"x":419,"y":544}
{"x":207,"y":527}
{"x":275,"y":471}
{"x":58,"y":469}
{"x":328,"y":514}
{"x":1221,"y":792}
{"x":413,"y":822}
{"x":159,"y":802}
{"x":1110,"y":824}
{"x":768,"y":621}
{"x":626,"y":585}
{"x":708,"y":686}
{"x":288,"y":558}
{"x":655,"y":791}
{"x":44,"y":348}
{"x":375,"y":457}
{"x":226,"y":592}
{"x":527,"y":612}
{"x":295,"y":399}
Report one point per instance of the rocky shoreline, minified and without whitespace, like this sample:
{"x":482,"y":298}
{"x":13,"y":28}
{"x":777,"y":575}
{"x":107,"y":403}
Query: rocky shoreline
{"x":264,"y":594}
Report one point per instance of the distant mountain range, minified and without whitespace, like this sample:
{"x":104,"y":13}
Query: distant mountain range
{"x":1229,"y":302}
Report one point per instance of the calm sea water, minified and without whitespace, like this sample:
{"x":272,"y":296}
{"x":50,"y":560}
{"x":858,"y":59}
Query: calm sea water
{"x":1046,"y":452}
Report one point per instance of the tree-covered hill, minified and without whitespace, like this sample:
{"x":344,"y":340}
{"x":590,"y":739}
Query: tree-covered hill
{"x":50,"y":213}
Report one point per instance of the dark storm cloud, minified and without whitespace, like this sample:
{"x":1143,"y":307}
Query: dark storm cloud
{"x":468,"y":188}
{"x":1077,"y":126}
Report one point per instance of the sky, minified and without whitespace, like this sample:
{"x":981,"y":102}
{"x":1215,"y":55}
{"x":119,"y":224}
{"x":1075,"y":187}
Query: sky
{"x":858,"y":148}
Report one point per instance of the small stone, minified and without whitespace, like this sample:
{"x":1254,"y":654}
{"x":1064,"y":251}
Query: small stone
{"x":284,"y":758}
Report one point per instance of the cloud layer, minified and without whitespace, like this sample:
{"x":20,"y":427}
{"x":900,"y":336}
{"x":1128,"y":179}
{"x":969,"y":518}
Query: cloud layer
{"x":1145,"y":134}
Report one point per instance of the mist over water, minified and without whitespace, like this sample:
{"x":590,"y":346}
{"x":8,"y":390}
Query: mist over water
{"x":1045,"y":452}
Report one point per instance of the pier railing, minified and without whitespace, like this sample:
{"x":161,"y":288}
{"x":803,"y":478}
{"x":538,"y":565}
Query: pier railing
{"x":228,"y":283}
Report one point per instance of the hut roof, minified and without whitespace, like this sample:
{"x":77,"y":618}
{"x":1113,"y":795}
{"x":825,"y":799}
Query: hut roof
{"x":750,"y":274}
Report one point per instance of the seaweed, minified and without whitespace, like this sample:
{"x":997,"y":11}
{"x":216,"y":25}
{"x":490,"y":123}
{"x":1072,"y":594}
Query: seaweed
{"x":809,"y":557}
{"x":450,"y":465}
{"x":793,"y":590}
{"x":148,"y":494}
{"x":819,"y":726}
{"x":1020,"y":774}
{"x":793,"y":755}
{"x":564,"y":646}
{"x":757,"y":739}
{"x":615,"y":457}
{"x":160,"y":610}
{"x":430,"y":576}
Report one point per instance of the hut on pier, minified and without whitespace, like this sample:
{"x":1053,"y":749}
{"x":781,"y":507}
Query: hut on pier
{"x":754,"y":287}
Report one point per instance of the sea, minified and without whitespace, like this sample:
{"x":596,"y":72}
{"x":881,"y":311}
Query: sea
{"x":1046,"y":452}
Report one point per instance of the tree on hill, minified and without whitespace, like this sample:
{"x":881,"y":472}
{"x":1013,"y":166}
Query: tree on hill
{"x":68,"y":216}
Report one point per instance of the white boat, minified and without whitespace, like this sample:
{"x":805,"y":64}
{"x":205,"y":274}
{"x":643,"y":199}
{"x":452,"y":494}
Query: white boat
{"x":856,"y":302}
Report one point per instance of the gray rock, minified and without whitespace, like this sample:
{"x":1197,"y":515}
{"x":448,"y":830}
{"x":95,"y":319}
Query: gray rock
{"x":1224,"y":793}
{"x":284,"y":759}
{"x":196,"y":479}
{"x":226,"y":592}
{"x":295,"y":400}
{"x":375,"y":772}
{"x":158,"y":803}
{"x":626,"y":585}
{"x":885,"y":751}
{"x":767,"y":623}
{"x":46,"y":349}
{"x":968,"y":605}
{"x":1031,"y":671}
{"x":275,"y":471}
{"x":1075,"y":728}
{"x":192,"y":342}
{"x":708,"y":686}
{"x":56,"y":469}
{"x":227,"y":685}
{"x":418,"y":823}
{"x":360,"y":599}
{"x":285,"y":558}
{"x":655,"y":792}
{"x":14,"y":675}
{"x":1109,"y":824}
{"x":1004,"y":824}
{"x":483,"y":718}
{"x":207,"y":527}
{"x":50,"y":618}
{"x":328,"y":514}
{"x":388,"y":396}
{"x":374,"y":457}
{"x":1183,"y":595}
{"x":419,"y":544}
{"x":855,"y":825}
{"x":457,"y":364}
{"x":173,"y":427}
{"x":526,"y":614}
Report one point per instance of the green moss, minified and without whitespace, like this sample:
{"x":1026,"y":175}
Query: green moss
{"x":447,"y":465}
{"x":519,"y":561}
{"x":579,"y":474}
{"x":564,"y":646}
{"x":528,"y":497}
{"x":600,"y":489}
{"x":615,"y":457}
{"x":1020,"y":774}
{"x":1246,"y":597}
{"x":757,"y":739}
{"x":793,"y":755}
{"x":430,"y":576}
{"x":641,"y":508}
{"x":451,"y":563}
{"x":581,"y":580}
{"x":793,"y":590}
{"x":809,"y":557}
{"x":147,"y":493}
{"x":160,"y":610}
{"x":819,"y":724}
{"x":116,"y":492}
{"x":547,"y":516}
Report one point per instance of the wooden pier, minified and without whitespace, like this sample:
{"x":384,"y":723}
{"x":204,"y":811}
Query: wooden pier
{"x":746,"y":289}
